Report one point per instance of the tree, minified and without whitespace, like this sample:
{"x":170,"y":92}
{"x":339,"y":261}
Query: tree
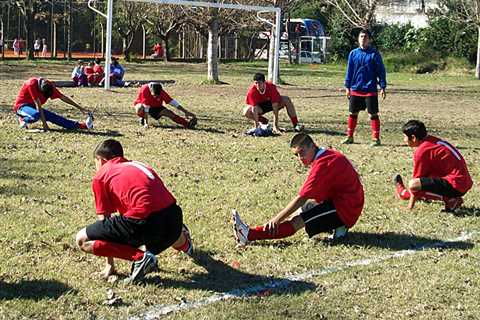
{"x":28,"y":8}
{"x":358,"y":13}
{"x":129,"y":18}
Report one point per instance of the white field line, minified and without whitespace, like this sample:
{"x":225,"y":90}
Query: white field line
{"x":163,"y":309}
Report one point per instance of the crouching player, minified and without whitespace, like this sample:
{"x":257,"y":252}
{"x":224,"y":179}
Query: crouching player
{"x":439,"y":170}
{"x":150,"y":99}
{"x":148,"y":214}
{"x":334,"y":185}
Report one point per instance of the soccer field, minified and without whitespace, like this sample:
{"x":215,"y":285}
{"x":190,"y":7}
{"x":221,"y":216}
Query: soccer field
{"x":45,"y":198}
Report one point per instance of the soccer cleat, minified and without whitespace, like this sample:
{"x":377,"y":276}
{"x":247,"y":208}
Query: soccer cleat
{"x":299,"y":127}
{"x":186,"y":234}
{"x":192,"y":123}
{"x":141,"y":121}
{"x":22,"y":123}
{"x":398,"y":180}
{"x":375,"y":143}
{"x":142,"y":267}
{"x":348,"y":140}
{"x":339,"y":233}
{"x":452,"y":204}
{"x":89,"y":121}
{"x":240,"y":229}
{"x":399,"y":186}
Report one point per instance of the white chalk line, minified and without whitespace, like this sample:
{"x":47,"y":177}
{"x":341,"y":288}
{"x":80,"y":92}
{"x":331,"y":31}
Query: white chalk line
{"x":160,"y":310}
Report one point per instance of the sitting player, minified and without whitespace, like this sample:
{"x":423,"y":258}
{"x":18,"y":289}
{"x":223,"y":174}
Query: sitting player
{"x":150,"y":99}
{"x":34,"y":94}
{"x":116,"y":73}
{"x":263,"y":97}
{"x":89,"y":73}
{"x":439,"y":170}
{"x":334,"y":185}
{"x":98,"y":72}
{"x":79,"y":77}
{"x":148,"y":214}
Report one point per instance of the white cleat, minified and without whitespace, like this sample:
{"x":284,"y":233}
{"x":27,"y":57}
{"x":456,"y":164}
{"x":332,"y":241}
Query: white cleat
{"x":89,"y":121}
{"x":240,"y":229}
{"x":339,"y":233}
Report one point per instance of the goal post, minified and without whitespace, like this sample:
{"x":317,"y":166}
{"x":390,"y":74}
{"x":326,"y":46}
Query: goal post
{"x":275,"y":38}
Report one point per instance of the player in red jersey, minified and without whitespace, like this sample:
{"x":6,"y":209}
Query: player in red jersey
{"x":150,"y":100}
{"x":439,"y":170}
{"x":263,"y":97}
{"x":98,"y":72}
{"x":148,"y":214}
{"x":29,"y":106}
{"x":333,"y":184}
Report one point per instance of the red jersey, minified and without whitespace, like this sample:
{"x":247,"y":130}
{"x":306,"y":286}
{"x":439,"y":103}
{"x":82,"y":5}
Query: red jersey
{"x":31,"y":91}
{"x":98,"y":69}
{"x":88,"y":70}
{"x":145,"y":97}
{"x":130,"y":188}
{"x":254,"y":97}
{"x":435,"y":158}
{"x":332,"y":177}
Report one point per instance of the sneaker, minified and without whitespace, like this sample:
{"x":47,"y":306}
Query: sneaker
{"x":399,"y":186}
{"x":348,"y":140}
{"x":398,"y":180}
{"x":376,"y":143}
{"x":186,"y":234}
{"x":299,"y":127}
{"x":142,"y":267}
{"x":240,"y":229}
{"x":89,"y":121}
{"x":452,"y":204}
{"x":22,"y":123}
{"x":338,"y":233}
{"x":192,"y":123}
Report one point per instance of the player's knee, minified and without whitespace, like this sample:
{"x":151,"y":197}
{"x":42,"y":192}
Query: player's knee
{"x":35,"y":116}
{"x":414,"y":185}
{"x":140,"y":110}
{"x":247,"y":111}
{"x":81,"y":238}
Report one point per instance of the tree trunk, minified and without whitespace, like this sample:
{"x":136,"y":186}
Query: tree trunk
{"x":289,"y":48}
{"x":477,"y":68}
{"x":212,"y":51}
{"x":69,"y":35}
{"x":166,"y":48}
{"x":28,"y":27}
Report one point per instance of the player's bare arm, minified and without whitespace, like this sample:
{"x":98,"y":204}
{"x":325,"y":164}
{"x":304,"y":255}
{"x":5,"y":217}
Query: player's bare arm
{"x":272,"y":225}
{"x":38,"y":104}
{"x":66,"y":99}
{"x":186,"y":112}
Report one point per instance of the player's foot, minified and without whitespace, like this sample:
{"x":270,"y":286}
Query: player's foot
{"x":348,"y":140}
{"x":240,"y":229}
{"x":22,"y":123}
{"x":299,"y":127}
{"x":397,"y":180}
{"x":192,"y":123}
{"x":141,"y":121}
{"x":89,"y":121}
{"x":186,"y":234}
{"x":452,"y":204}
{"x":339,"y":233}
{"x":142,"y":267}
{"x":375,"y":143}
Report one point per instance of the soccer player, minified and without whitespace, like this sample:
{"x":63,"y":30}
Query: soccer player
{"x":98,"y":72}
{"x":439,"y":170}
{"x":333,"y":184}
{"x":148,"y":214}
{"x":150,"y":99}
{"x":263,"y":97}
{"x":365,"y":71}
{"x":29,"y":106}
{"x":79,"y":77}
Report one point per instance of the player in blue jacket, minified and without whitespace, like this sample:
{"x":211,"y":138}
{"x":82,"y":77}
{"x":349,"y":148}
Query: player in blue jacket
{"x":365,"y":72}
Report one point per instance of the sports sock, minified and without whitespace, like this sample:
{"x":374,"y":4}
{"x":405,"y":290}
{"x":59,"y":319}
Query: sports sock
{"x":402,"y":192}
{"x":184,"y":246}
{"x":285,"y":229}
{"x":262,"y":119}
{"x":82,"y":125}
{"x":375,"y":125}
{"x":294,"y":120}
{"x":181,"y":121}
{"x":352,"y":124}
{"x":109,"y":249}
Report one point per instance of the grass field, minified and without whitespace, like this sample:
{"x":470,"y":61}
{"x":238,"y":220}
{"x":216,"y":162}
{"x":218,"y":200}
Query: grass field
{"x":45,"y":198}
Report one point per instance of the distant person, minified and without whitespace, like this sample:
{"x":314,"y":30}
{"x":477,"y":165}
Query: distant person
{"x":263,"y":97}
{"x":365,"y":72}
{"x":88,"y":70}
{"x":36,"y":47}
{"x":117,"y":72}
{"x":157,"y":51}
{"x":98,"y":72}
{"x":32,"y":97}
{"x":439,"y":170}
{"x":16,"y":47}
{"x":44,"y":48}
{"x":79,"y":77}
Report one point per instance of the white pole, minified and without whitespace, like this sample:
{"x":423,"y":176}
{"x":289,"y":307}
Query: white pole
{"x":144,"y":49}
{"x":108,"y":53}
{"x":278,"y":22}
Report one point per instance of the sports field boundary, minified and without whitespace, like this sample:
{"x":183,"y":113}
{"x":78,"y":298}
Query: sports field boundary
{"x":163,"y":309}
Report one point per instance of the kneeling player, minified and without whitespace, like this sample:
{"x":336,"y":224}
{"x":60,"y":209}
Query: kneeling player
{"x":334,"y":185}
{"x":439,"y":170}
{"x":149,"y":215}
{"x":263,"y":97}
{"x":150,"y":101}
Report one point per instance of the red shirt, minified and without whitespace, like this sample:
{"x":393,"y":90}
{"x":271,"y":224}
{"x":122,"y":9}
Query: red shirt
{"x":435,"y":158}
{"x":332,"y":177}
{"x":145,"y":97}
{"x":31,"y":91}
{"x":88,"y":70}
{"x":130,"y":188}
{"x":98,"y":69}
{"x":254,"y":97}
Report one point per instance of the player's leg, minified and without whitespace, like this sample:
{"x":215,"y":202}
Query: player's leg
{"x":63,"y":122}
{"x":372,"y":109}
{"x":437,"y":189}
{"x":164,"y":112}
{"x":401,"y":192}
{"x":248,"y":113}
{"x":355,"y":105}
{"x":140,"y":110}
{"x":292,"y":114}
{"x":27,"y":114}
{"x":322,"y":217}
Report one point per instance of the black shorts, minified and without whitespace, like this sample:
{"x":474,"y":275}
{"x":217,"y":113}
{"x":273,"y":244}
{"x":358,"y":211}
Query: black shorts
{"x":266,"y":106}
{"x":158,"y":232}
{"x":321,"y":218}
{"x":439,"y":186}
{"x":155,"y":112}
{"x":357,"y":104}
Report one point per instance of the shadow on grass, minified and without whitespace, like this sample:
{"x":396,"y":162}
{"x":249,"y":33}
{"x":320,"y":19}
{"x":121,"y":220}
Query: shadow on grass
{"x":324,"y":131}
{"x":397,"y":241}
{"x":173,"y":127}
{"x":106,"y":133}
{"x":33,"y":290}
{"x":467,"y":212}
{"x":224,"y":278}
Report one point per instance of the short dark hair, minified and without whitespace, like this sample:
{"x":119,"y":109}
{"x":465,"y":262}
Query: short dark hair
{"x":108,"y":149}
{"x":365,"y":31}
{"x":415,"y":128}
{"x":98,"y":61}
{"x":46,"y":87}
{"x":156,"y":88}
{"x":301,"y":140}
{"x":259,"y":77}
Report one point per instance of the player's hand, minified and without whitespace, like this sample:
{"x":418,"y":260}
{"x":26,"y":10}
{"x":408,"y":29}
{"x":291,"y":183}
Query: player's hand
{"x":107,"y":271}
{"x":272,"y":227}
{"x":383,"y":94}
{"x":347,"y":93}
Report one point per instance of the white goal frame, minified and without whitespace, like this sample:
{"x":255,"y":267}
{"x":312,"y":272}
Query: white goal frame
{"x":258,"y":9}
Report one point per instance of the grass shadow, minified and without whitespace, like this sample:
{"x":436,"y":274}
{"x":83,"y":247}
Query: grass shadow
{"x":33,"y":290}
{"x":223,"y":278}
{"x":173,"y":127}
{"x":466,"y":212}
{"x":327,"y":132}
{"x":106,"y":133}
